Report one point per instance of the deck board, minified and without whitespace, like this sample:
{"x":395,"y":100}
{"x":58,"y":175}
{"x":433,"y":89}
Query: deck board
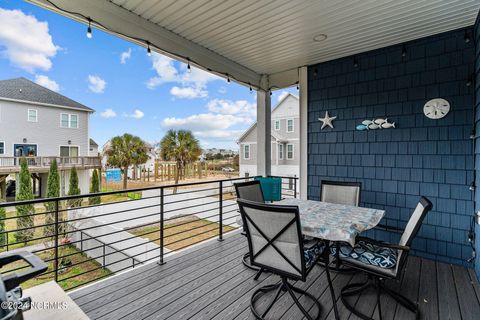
{"x":210,"y":282}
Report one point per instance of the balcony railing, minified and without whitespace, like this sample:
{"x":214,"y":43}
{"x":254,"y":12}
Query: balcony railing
{"x":84,"y":242}
{"x":44,"y":162}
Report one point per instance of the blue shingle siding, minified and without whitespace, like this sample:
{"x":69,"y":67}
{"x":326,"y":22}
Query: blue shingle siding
{"x":477,"y":140}
{"x":420,"y":156}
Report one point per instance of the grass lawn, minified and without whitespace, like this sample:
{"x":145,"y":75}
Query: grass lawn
{"x":68,"y":272}
{"x":182,"y":232}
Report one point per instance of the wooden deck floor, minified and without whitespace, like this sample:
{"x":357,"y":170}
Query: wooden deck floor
{"x":210,"y":282}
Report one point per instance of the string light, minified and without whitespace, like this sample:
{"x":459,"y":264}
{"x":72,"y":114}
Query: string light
{"x":189,"y":69}
{"x":149,"y":51}
{"x":298,"y":87}
{"x":250,"y":86}
{"x":89,"y":30}
{"x":149,"y":44}
{"x":355,"y":61}
{"x":404,"y":51}
{"x":466,"y":37}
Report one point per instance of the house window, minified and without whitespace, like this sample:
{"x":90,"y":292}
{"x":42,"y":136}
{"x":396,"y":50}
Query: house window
{"x":2,"y":147}
{"x":68,"y":151}
{"x":276,"y":125}
{"x":32,"y":115}
{"x":290,"y":125}
{"x":290,"y":151}
{"x":280,"y":151}
{"x":68,"y":120}
{"x":246,"y":151}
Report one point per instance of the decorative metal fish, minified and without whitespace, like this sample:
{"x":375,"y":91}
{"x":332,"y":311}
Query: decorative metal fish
{"x":362,"y":127}
{"x":375,"y":124}
{"x":380,"y":121}
{"x":387,"y":125}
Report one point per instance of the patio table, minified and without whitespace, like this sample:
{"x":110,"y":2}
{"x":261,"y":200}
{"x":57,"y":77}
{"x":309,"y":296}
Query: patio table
{"x":334,"y":222}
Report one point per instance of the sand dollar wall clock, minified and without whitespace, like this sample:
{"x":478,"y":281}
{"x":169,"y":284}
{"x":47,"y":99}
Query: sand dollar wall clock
{"x":436,"y":108}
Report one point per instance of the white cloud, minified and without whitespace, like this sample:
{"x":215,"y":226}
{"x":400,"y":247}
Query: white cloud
{"x":204,"y":122}
{"x":225,"y":135}
{"x":25,"y":41}
{"x":108,"y":113}
{"x":136,"y":114}
{"x":282,"y":95}
{"x":232,"y":107}
{"x":96,"y":84}
{"x":124,"y":56}
{"x":47,"y":83}
{"x":191,"y":84}
{"x":188,"y":92}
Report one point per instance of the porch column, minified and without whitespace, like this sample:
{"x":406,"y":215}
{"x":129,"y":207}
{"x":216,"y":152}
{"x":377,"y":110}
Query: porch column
{"x":303,"y":86}
{"x":264,"y":137}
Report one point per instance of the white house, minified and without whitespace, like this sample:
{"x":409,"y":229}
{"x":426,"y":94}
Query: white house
{"x":285,"y":141}
{"x":42,"y":125}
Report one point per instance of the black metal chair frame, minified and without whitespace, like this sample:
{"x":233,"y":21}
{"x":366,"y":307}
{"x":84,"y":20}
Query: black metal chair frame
{"x":376,"y":280}
{"x":246,"y":256}
{"x":336,"y":263}
{"x":284,"y":285}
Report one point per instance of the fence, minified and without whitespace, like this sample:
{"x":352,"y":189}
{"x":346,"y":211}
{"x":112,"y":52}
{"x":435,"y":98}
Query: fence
{"x":88,"y":242}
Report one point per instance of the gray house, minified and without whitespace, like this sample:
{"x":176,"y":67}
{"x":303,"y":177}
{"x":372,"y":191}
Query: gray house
{"x":285,"y":141}
{"x":42,"y":125}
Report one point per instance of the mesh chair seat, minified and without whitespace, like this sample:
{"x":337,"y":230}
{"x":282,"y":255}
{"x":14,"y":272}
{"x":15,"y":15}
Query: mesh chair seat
{"x":369,"y":253}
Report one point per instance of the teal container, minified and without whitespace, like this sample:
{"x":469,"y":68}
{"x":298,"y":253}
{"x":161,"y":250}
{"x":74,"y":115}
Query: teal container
{"x":271,"y":188}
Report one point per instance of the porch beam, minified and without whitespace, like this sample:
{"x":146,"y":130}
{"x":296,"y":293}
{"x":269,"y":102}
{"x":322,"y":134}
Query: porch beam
{"x":264,"y":135}
{"x":303,"y":86}
{"x":175,"y":46}
{"x":284,"y":79}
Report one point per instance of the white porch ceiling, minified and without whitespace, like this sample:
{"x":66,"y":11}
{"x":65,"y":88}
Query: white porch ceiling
{"x":276,"y":36}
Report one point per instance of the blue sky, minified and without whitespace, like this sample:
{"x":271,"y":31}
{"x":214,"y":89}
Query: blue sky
{"x":130,"y":91}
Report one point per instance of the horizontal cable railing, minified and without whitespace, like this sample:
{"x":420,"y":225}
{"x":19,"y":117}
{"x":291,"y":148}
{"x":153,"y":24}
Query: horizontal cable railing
{"x":84,"y":242}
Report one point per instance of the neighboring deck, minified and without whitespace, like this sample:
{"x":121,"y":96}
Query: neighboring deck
{"x":36,"y":164}
{"x":211,"y":282}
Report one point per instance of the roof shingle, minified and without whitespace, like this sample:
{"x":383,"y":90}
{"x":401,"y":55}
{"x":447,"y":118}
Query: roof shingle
{"x":26,"y":90}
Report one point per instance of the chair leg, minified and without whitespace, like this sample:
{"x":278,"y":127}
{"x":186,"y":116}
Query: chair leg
{"x":279,"y":287}
{"x":332,"y":292}
{"x":257,"y":275}
{"x":246,"y":262}
{"x":379,"y":286}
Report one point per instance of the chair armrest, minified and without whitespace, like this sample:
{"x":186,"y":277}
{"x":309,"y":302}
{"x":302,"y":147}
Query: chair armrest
{"x":385,"y":244}
{"x":388,"y":228}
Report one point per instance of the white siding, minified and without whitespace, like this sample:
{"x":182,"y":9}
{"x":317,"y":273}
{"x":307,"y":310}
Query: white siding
{"x":46,"y":133}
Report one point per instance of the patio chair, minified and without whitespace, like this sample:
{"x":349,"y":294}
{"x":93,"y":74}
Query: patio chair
{"x":340,"y":192}
{"x":381,"y":260}
{"x":252,"y":191}
{"x":276,"y":244}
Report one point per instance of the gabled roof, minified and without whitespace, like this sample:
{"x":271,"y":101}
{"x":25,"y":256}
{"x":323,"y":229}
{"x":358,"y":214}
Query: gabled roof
{"x":21,"y":89}
{"x":255,"y":123}
{"x":93,"y":143}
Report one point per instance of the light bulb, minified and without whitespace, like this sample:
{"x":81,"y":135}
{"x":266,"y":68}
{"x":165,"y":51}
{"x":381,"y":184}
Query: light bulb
{"x":89,"y":29}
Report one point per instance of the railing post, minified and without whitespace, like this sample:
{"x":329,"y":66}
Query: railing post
{"x":294,"y":187}
{"x":220,"y":212}
{"x":161,"y":225}
{"x":56,"y":240}
{"x":81,"y":241}
{"x":103,"y":264}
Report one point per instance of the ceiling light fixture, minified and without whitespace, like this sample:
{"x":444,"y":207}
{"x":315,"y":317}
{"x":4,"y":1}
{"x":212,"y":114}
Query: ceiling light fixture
{"x":320,"y":37}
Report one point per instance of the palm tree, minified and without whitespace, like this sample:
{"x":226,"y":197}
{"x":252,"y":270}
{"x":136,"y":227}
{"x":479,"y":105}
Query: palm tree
{"x":125,"y":151}
{"x":182,"y":147}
